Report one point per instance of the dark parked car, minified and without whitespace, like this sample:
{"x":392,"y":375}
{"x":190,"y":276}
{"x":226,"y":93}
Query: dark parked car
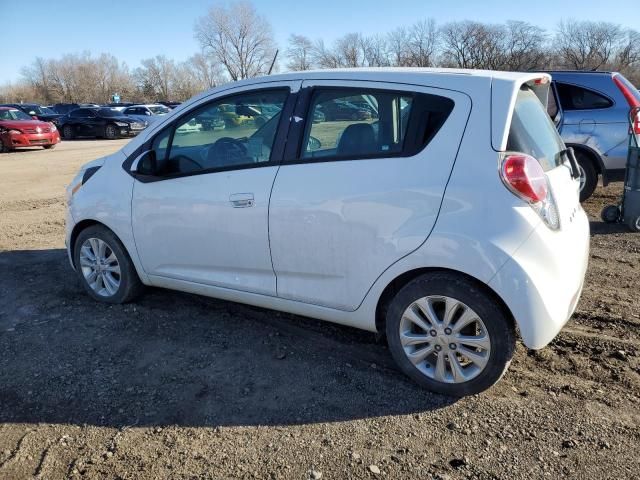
{"x":99,"y":122}
{"x":41,"y":113}
{"x":64,"y":108}
{"x":339,"y":110}
{"x":591,"y":111}
{"x":171,"y":105}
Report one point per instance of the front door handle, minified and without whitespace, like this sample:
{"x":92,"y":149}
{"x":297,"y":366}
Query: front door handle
{"x":241,"y":200}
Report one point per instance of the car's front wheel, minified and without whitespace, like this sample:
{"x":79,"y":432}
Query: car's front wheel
{"x":449,"y":335}
{"x":67,"y":132}
{"x":111,"y":132}
{"x":105,"y":269}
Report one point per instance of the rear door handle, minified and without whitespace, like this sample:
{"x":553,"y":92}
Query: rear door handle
{"x":241,"y":200}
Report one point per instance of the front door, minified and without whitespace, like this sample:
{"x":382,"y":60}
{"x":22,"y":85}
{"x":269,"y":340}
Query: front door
{"x":203,"y":214}
{"x":360,"y":192}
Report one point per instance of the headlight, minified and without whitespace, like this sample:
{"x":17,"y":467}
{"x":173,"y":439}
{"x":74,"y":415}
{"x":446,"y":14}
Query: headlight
{"x":53,"y":127}
{"x":122,"y":124}
{"x":14,"y":132}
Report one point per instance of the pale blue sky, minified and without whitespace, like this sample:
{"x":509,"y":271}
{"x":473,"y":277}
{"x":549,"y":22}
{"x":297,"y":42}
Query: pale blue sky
{"x":137,"y":29}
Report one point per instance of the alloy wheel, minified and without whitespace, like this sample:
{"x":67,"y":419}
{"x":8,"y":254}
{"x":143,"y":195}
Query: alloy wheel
{"x":100,"y":267}
{"x":444,"y":339}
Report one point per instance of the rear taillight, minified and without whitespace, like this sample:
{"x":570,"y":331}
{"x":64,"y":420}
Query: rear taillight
{"x":631,"y":99}
{"x":525,"y":178}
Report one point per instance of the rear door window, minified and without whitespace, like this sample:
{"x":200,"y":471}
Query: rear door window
{"x":532,"y":131}
{"x":355,"y":123}
{"x":573,"y":97}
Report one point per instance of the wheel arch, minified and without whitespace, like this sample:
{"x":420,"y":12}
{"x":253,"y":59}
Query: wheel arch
{"x":403,"y":279}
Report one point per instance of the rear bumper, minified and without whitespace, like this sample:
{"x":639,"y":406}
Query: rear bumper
{"x":542,"y":282}
{"x":19,"y":140}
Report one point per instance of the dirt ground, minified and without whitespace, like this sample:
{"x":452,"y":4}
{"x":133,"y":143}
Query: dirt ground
{"x":178,"y":386}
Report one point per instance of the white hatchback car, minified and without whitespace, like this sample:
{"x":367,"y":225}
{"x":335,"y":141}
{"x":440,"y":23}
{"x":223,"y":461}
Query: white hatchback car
{"x":447,"y":217}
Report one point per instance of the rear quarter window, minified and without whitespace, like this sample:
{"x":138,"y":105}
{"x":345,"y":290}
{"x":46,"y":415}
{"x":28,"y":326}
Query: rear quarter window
{"x":532,"y":131}
{"x":573,"y":97}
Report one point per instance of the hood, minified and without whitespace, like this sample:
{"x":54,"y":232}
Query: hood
{"x":21,"y":124}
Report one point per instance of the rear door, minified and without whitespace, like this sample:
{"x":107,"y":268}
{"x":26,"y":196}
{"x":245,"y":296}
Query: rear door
{"x":354,"y":196}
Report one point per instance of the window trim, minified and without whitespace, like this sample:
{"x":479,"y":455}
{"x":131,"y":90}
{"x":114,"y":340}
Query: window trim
{"x":298,"y":130}
{"x":276,"y":151}
{"x":588,"y":89}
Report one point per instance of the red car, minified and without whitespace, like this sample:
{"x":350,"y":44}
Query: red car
{"x":17,"y":129}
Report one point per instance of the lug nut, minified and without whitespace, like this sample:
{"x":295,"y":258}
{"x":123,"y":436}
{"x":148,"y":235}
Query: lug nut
{"x":433,"y":333}
{"x":438,"y":348}
{"x":452,"y":346}
{"x":447,"y":331}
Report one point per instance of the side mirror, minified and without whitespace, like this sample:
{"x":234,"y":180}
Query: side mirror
{"x":313,"y":144}
{"x":145,"y":164}
{"x":147,"y":112}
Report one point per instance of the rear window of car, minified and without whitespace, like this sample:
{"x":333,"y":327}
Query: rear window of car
{"x":532,"y":131}
{"x":573,"y":97}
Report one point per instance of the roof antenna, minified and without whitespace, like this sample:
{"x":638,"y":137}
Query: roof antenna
{"x":273,"y":62}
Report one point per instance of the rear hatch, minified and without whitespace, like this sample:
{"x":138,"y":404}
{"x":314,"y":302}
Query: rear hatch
{"x":532,"y":133}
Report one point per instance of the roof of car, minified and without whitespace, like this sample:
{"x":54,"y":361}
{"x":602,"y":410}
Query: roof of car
{"x":8,"y":108}
{"x":369,"y":71}
{"x":581,"y":72}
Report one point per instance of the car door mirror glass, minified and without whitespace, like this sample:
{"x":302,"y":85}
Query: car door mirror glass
{"x":313,"y":144}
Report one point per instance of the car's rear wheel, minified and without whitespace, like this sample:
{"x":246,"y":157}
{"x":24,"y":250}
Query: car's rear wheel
{"x":588,"y":176}
{"x":67,"y":132}
{"x":4,"y":148}
{"x":104,"y":267}
{"x":449,"y":335}
{"x":111,"y":132}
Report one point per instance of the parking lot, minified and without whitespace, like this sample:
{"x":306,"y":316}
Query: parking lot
{"x":179,"y":386}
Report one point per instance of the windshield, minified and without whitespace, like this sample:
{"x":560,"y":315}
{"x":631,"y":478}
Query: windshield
{"x":532,"y":131}
{"x":14,"y":114}
{"x":47,"y":111}
{"x":159,"y":110}
{"x":108,"y":112}
{"x":33,"y":108}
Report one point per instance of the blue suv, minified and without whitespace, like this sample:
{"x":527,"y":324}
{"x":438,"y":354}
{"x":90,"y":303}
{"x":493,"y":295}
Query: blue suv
{"x":591,"y":111}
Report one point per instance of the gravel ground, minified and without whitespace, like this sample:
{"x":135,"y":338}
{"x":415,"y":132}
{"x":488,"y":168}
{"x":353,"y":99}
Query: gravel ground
{"x":179,"y":386}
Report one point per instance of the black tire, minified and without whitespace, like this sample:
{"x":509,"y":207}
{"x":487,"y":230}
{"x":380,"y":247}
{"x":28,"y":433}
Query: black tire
{"x":111,"y":131}
{"x":130,"y":285}
{"x":48,"y":147}
{"x":4,"y":148}
{"x":610,"y":214}
{"x":590,"y":175}
{"x":499,"y":327}
{"x":67,"y":132}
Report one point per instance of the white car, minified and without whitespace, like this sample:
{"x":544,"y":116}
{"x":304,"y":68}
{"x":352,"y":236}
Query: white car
{"x":448,"y":221}
{"x":149,"y":113}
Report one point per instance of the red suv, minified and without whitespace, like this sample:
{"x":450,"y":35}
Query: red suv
{"x":17,"y":129}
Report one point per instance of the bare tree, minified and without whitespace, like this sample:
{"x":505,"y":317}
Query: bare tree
{"x":299,"y":52}
{"x":239,"y":38}
{"x":587,"y":45}
{"x":525,"y":46}
{"x":422,"y":43}
{"x":398,"y":45}
{"x":325,"y":57}
{"x":470,"y":44}
{"x":207,"y":72}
